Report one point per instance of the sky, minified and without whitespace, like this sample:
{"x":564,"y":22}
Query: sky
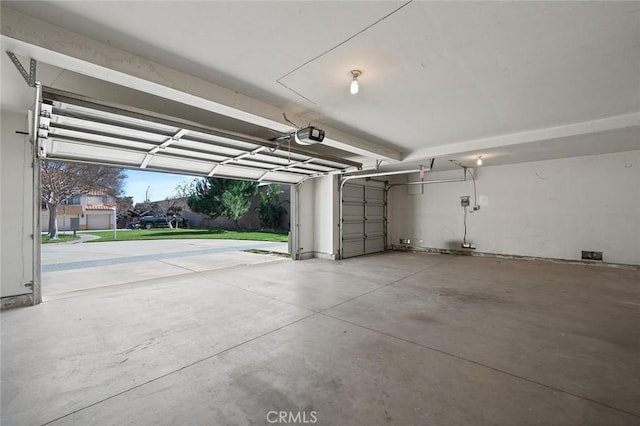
{"x":161,"y":185}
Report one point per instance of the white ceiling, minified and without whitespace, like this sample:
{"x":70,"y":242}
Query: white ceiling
{"x":530,"y":80}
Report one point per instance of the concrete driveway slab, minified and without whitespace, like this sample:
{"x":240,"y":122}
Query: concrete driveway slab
{"x":69,"y":268}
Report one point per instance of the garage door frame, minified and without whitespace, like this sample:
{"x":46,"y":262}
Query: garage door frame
{"x":363,"y":217}
{"x":295,"y":163}
{"x":35,"y":139}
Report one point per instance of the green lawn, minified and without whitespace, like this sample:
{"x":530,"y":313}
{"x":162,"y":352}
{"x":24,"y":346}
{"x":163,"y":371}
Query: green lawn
{"x":62,"y":238}
{"x":172,"y":234}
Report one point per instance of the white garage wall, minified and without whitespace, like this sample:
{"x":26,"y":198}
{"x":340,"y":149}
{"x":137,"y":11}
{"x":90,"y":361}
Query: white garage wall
{"x":303,"y":199}
{"x":317,"y":217}
{"x":326,"y":217}
{"x":550,"y":209}
{"x":16,"y":204}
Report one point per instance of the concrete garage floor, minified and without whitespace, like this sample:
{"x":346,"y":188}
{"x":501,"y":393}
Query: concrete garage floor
{"x":395,"y":338}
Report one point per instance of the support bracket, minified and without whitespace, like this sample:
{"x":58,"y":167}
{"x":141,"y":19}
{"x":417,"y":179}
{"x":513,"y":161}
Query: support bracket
{"x":29,"y":77}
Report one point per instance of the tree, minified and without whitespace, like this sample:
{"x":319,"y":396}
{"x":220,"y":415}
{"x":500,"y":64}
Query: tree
{"x":124,"y":203}
{"x":235,"y":204}
{"x":184,"y":188}
{"x":270,"y":211}
{"x":61,"y":181}
{"x":209,"y":197}
{"x":206,"y":197}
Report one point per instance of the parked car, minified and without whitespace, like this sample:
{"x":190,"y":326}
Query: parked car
{"x":163,"y":221}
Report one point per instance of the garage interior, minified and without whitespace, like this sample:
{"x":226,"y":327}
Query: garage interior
{"x":465,"y":239}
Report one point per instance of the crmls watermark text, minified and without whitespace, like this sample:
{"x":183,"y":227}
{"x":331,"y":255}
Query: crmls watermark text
{"x":285,"y":417}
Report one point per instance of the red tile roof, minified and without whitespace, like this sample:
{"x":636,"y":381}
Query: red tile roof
{"x":100,"y":207}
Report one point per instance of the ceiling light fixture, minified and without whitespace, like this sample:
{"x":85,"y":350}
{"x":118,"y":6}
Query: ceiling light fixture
{"x":354,"y":82}
{"x":479,"y":161}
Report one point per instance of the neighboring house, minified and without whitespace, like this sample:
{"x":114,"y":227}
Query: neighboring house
{"x":94,"y":209}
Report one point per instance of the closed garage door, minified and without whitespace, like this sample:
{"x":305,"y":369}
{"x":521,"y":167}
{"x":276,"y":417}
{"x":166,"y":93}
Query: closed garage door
{"x":363,"y":219}
{"x":98,"y":221}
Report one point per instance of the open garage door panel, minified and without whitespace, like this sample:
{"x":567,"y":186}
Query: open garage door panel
{"x":86,"y":130}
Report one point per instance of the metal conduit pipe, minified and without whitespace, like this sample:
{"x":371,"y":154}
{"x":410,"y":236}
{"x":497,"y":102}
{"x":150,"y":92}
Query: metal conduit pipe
{"x":426,"y":182}
{"x":345,"y":178}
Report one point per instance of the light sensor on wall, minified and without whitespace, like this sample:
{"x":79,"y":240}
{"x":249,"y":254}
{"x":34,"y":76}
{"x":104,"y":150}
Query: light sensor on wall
{"x":479,"y":160}
{"x":355,"y":87}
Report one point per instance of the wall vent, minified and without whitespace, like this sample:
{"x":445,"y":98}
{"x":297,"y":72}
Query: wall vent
{"x":591,"y":255}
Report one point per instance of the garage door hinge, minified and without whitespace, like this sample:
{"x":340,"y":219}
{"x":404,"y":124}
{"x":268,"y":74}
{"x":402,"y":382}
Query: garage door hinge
{"x":29,"y":285}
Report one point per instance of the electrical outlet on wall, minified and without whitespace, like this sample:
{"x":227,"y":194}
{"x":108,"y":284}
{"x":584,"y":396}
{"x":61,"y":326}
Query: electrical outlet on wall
{"x":464,"y":200}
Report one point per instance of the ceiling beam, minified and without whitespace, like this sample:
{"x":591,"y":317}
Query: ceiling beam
{"x":557,"y":132}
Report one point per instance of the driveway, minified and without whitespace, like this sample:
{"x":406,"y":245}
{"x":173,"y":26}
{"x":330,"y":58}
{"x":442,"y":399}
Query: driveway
{"x":69,"y":269}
